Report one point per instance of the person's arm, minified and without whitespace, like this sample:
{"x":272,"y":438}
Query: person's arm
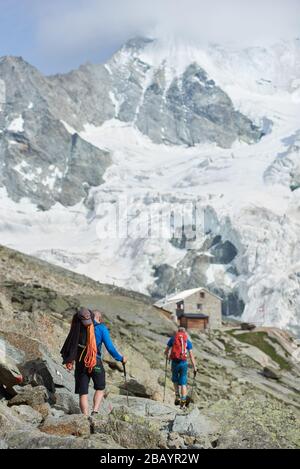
{"x":169,"y":346}
{"x":110,"y":346}
{"x":191,"y":354}
{"x":192,"y":358}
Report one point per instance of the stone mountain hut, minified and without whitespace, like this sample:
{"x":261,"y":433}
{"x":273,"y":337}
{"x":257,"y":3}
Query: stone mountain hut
{"x":195,"y":309}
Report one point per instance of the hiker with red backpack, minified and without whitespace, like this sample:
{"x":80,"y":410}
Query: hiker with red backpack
{"x":83,"y":346}
{"x":178,"y":348}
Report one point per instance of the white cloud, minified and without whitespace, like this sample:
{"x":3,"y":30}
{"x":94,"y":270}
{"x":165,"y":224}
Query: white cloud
{"x":70,"y":27}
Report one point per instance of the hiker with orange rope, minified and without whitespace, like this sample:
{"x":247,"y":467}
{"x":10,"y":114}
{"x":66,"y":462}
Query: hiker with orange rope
{"x":83,"y":345}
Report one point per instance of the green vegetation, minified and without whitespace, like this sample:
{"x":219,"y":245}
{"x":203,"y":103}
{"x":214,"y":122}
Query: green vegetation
{"x":258,"y":339}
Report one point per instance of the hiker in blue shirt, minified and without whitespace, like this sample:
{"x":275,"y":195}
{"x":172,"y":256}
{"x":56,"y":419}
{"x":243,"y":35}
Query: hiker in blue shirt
{"x":178,"y":347}
{"x":77,"y":348}
{"x":102,"y":336}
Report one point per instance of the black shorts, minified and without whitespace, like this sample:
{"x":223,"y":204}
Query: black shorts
{"x":82,"y":377}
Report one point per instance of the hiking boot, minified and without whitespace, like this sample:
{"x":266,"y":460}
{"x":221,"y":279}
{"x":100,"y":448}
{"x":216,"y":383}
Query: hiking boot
{"x":182,"y":403}
{"x":188,"y":401}
{"x":177,"y":401}
{"x":94,"y":413}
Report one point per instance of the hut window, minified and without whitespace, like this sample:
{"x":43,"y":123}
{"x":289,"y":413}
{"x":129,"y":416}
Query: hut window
{"x":202,"y":294}
{"x":199,"y":306}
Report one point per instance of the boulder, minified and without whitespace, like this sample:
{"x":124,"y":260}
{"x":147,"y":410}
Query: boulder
{"x":32,"y":396}
{"x":9,"y":420}
{"x":36,"y":439}
{"x":66,"y":401}
{"x":76,"y":425}
{"x":146,"y":390}
{"x":102,"y":441}
{"x":56,"y":413}
{"x":129,"y":430}
{"x":175,"y":441}
{"x":9,"y":372}
{"x":28,"y":414}
{"x":47,"y":372}
{"x":145,"y":407}
{"x":195,"y":424}
{"x":44,"y":409}
{"x":271,"y":373}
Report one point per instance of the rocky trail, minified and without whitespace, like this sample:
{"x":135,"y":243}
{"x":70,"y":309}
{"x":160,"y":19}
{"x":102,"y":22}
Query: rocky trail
{"x":246,"y":394}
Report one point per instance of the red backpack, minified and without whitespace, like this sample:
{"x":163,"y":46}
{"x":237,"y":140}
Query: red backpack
{"x":179,"y":347}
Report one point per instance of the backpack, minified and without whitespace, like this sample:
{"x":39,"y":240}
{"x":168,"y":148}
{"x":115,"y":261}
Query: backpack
{"x":179,"y":347}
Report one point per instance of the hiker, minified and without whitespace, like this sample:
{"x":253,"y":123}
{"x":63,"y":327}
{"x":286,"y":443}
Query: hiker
{"x":180,"y":345}
{"x":83,"y":346}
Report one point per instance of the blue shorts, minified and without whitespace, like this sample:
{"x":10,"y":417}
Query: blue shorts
{"x":180,"y":372}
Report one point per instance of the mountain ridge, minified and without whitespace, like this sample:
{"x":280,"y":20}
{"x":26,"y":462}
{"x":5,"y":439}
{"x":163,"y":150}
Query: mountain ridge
{"x":72,"y":159}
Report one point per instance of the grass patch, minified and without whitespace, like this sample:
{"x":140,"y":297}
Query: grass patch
{"x":258,"y":339}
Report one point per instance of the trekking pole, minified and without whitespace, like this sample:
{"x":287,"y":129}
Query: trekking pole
{"x":165,"y":383}
{"x":126,"y":384}
{"x":193,"y":385}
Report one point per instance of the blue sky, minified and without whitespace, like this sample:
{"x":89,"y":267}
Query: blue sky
{"x":58,"y":35}
{"x":21,"y":34}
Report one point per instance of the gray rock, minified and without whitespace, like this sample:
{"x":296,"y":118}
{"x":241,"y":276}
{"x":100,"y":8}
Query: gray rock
{"x":195,"y":424}
{"x":271,"y":373}
{"x":28,"y":414}
{"x":144,"y":407}
{"x":175,"y":441}
{"x":32,"y":396}
{"x":9,"y":373}
{"x":66,"y":401}
{"x":39,"y":440}
{"x":102,"y":441}
{"x":47,"y":163}
{"x":3,"y":444}
{"x":56,"y":413}
{"x":10,"y":420}
{"x":192,"y":108}
{"x":76,"y":425}
{"x":47,"y":372}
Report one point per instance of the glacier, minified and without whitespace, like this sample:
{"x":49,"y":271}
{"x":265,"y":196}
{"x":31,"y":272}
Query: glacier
{"x":248,"y":190}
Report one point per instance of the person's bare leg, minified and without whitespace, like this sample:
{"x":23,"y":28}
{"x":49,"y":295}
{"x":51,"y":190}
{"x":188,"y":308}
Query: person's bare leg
{"x":176,"y":390}
{"x":98,"y":397}
{"x":183,"y":391}
{"x":84,"y":404}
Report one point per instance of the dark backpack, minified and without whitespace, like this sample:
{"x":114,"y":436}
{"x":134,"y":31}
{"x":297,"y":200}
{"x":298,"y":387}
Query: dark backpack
{"x":179,"y":347}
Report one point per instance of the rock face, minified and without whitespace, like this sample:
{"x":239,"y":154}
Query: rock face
{"x":192,"y":108}
{"x":194,"y":424}
{"x":43,"y":157}
{"x":39,"y":158}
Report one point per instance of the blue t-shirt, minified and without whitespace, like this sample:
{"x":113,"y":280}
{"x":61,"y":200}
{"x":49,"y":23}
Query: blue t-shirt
{"x":189,"y":344}
{"x":103,"y":337}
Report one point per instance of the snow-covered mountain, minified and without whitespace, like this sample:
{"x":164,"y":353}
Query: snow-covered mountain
{"x":161,"y":126}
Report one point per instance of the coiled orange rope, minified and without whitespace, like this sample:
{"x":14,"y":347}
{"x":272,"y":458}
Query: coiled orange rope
{"x":90,"y":359}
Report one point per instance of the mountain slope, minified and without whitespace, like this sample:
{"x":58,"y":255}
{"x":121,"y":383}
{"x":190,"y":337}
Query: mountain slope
{"x":164,"y":123}
{"x":235,"y":403}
